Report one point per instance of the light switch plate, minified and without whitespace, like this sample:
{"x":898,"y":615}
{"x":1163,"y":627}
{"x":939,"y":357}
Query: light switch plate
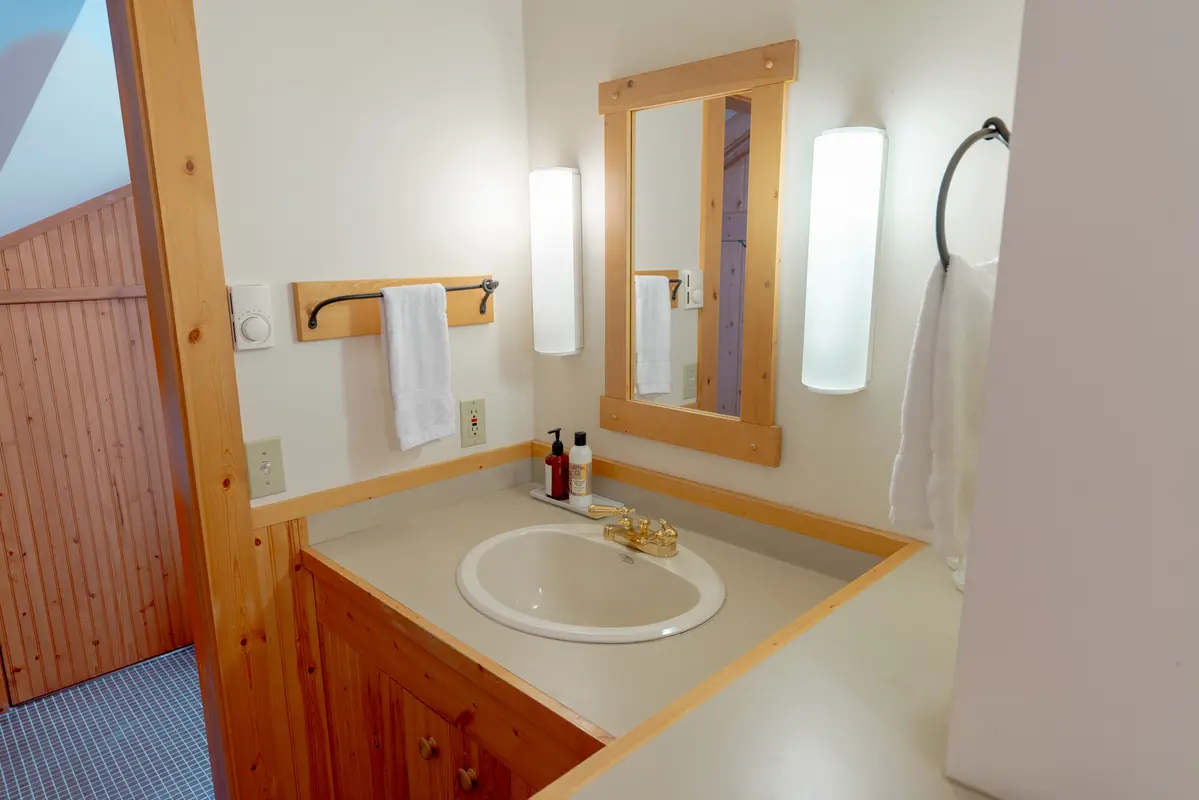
{"x":474,"y":422}
{"x":689,"y":380}
{"x":264,"y":458}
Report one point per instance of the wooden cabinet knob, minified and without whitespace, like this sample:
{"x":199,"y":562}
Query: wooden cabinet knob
{"x":427,"y":747}
{"x":467,"y":778}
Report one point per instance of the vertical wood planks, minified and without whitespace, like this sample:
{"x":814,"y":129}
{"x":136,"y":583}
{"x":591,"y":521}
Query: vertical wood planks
{"x":91,"y":577}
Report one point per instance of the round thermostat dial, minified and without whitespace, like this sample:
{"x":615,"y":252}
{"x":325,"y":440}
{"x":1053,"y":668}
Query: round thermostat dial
{"x":255,"y":328}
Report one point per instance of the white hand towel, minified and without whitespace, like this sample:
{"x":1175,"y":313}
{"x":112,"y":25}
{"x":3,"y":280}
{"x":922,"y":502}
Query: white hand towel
{"x":932,"y":485}
{"x":653,"y":334}
{"x":416,"y":342}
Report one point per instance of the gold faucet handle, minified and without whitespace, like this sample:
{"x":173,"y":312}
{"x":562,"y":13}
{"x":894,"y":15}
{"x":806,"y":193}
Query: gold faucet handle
{"x":599,"y":512}
{"x":666,"y":530}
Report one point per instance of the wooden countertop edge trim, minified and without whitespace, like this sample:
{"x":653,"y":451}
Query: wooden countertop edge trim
{"x":330,"y":572}
{"x":308,"y":504}
{"x":632,"y":741}
{"x":846,"y":534}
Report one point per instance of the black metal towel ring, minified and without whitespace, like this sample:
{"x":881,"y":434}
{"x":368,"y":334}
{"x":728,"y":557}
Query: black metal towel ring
{"x":488,"y":285}
{"x":994,"y":128}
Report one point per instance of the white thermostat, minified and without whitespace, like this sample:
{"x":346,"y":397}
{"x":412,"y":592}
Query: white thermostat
{"x":250,"y":312}
{"x":692,"y":291}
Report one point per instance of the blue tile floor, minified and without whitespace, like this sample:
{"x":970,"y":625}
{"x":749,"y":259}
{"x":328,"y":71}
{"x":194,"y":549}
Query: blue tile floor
{"x":134,"y":733}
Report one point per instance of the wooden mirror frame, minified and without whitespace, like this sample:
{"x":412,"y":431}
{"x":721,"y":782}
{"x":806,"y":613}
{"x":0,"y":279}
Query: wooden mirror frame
{"x":763,"y":74}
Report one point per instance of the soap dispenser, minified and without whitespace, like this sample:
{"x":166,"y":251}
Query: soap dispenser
{"x":557,"y":470}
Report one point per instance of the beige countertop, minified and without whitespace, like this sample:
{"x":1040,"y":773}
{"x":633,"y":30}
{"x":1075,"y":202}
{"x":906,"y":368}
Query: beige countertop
{"x":856,"y":708}
{"x":617,"y":686}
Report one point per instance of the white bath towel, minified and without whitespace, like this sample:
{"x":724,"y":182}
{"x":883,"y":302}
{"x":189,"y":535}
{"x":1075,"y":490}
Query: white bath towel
{"x":416,"y":342}
{"x":653,"y":334}
{"x":932,"y":484}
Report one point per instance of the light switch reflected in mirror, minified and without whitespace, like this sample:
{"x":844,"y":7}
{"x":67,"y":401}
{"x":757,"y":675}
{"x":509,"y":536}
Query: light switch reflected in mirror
{"x":690,"y":159}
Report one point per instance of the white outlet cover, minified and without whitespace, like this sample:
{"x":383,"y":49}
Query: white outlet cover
{"x":473,"y":415}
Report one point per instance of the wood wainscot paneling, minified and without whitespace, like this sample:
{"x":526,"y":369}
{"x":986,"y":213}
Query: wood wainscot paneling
{"x":501,"y":727}
{"x":93,"y":568}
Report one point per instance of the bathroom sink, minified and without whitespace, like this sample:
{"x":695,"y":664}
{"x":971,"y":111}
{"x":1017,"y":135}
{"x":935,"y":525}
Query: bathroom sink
{"x":566,"y":582}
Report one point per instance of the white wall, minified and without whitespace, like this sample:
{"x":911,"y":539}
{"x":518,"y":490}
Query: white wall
{"x":668,"y":155}
{"x":930,"y":71}
{"x":72,"y":145}
{"x":1078,"y":673}
{"x":384,"y":141}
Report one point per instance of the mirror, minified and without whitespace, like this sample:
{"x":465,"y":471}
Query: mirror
{"x":680,"y":153}
{"x":691,"y":251}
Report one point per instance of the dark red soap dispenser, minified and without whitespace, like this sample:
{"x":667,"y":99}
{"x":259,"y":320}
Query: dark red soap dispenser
{"x":557,"y":470}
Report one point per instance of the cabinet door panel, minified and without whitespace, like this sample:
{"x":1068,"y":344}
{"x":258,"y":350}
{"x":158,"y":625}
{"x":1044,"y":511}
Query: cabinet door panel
{"x":365,"y":725}
{"x":493,"y":780}
{"x":433,"y":778}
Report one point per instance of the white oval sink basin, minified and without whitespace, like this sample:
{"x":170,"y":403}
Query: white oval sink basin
{"x":566,"y":582}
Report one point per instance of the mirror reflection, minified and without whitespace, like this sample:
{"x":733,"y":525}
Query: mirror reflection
{"x":687,"y":337}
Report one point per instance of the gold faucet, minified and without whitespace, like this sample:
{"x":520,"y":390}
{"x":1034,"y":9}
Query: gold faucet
{"x":661,"y":543}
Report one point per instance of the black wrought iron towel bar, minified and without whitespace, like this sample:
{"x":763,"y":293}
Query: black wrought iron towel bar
{"x":994,"y":128}
{"x":488,"y":285}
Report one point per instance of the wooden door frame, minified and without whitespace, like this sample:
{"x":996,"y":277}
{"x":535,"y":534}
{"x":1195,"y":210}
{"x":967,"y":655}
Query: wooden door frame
{"x":229,"y":597}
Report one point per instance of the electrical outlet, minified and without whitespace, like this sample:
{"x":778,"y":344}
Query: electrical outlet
{"x":690,"y":374}
{"x":265,"y":461}
{"x":474,"y":422}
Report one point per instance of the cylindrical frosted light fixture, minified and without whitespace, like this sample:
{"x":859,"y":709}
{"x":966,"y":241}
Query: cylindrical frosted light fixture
{"x":555,"y":221}
{"x":847,"y":190}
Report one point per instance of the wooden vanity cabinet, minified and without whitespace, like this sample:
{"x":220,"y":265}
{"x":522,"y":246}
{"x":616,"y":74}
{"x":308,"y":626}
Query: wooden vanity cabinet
{"x":413,"y":713}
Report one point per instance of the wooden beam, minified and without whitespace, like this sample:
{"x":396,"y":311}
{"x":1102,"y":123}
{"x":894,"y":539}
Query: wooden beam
{"x":698,"y":80}
{"x":237,"y":642}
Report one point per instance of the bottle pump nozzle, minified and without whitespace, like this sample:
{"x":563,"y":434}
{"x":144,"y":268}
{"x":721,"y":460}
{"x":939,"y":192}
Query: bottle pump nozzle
{"x":557,"y":448}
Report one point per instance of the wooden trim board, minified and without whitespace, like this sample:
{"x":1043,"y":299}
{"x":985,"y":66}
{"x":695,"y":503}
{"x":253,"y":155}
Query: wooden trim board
{"x":308,"y":504}
{"x":10,"y":297}
{"x":711,"y":231}
{"x":361,"y":317}
{"x":618,"y":236}
{"x":763,"y":249}
{"x":619,"y":750}
{"x":694,"y":429}
{"x":846,"y":534}
{"x":727,"y":74}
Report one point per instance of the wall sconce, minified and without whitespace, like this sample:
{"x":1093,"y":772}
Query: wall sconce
{"x":847,"y":190}
{"x":555,"y":220}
